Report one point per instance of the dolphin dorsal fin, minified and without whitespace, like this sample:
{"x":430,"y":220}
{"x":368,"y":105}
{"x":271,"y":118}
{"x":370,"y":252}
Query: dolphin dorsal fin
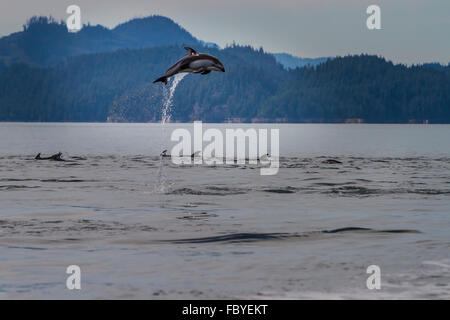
{"x":191,"y":52}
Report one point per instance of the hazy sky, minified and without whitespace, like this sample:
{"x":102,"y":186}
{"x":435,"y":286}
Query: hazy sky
{"x":412,"y":30}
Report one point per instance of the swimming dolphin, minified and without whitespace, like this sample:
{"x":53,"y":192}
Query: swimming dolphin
{"x":55,"y":157}
{"x":196,"y":154}
{"x":195,"y":63}
{"x":164,"y":154}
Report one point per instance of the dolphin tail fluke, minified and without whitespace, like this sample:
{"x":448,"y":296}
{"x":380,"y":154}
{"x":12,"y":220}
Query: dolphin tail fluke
{"x":162,"y":79}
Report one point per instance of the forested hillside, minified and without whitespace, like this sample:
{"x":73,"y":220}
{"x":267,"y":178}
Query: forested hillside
{"x":366,"y":87}
{"x":291,"y":62}
{"x":51,"y":83}
{"x":45,"y":42}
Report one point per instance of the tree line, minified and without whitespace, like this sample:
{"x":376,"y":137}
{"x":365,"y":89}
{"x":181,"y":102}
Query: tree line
{"x":117,"y":85}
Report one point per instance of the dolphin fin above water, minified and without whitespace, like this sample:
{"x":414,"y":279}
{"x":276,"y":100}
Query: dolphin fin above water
{"x":191,"y":52}
{"x":54,"y":157}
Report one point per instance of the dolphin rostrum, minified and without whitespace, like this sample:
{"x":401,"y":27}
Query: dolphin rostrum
{"x":195,"y":63}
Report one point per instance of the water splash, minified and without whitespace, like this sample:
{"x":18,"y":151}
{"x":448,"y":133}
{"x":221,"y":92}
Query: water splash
{"x":168,"y":94}
{"x":161,"y":186}
{"x":168,"y":97}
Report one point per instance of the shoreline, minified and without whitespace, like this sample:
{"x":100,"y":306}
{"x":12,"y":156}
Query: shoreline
{"x":243,"y":122}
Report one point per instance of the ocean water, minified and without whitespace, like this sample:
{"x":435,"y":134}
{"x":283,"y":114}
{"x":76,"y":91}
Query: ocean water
{"x":224,"y":231}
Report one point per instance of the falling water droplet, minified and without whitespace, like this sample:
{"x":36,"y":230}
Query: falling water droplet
{"x":167,"y":105}
{"x":168,"y":97}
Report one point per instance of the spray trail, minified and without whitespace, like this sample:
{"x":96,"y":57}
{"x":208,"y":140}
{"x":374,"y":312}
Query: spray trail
{"x":168,"y":95}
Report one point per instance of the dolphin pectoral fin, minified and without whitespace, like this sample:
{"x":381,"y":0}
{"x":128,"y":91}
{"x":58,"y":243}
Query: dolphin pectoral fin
{"x":162,"y":79}
{"x":190,"y":51}
{"x":206,"y":72}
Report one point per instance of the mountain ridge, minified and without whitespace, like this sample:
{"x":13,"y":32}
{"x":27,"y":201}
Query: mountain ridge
{"x":45,"y":41}
{"x":150,"y":31}
{"x":290,"y":61}
{"x":116,"y":85}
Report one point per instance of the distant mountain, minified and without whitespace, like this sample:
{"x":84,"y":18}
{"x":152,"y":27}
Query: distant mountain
{"x":436,"y":66}
{"x":117,"y":86}
{"x":45,"y":42}
{"x":151,"y":32}
{"x":291,"y":62}
{"x":101,"y":74}
{"x":210,"y":45}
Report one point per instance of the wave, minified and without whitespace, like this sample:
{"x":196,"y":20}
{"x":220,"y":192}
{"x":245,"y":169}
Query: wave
{"x":80,"y":230}
{"x":257,"y":237}
{"x":65,"y":228}
{"x":287,"y":189}
{"x":208,"y":191}
{"x":363,"y":191}
{"x":16,"y":187}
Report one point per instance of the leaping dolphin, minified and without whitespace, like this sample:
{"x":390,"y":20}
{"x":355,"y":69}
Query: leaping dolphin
{"x":195,"y":63}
